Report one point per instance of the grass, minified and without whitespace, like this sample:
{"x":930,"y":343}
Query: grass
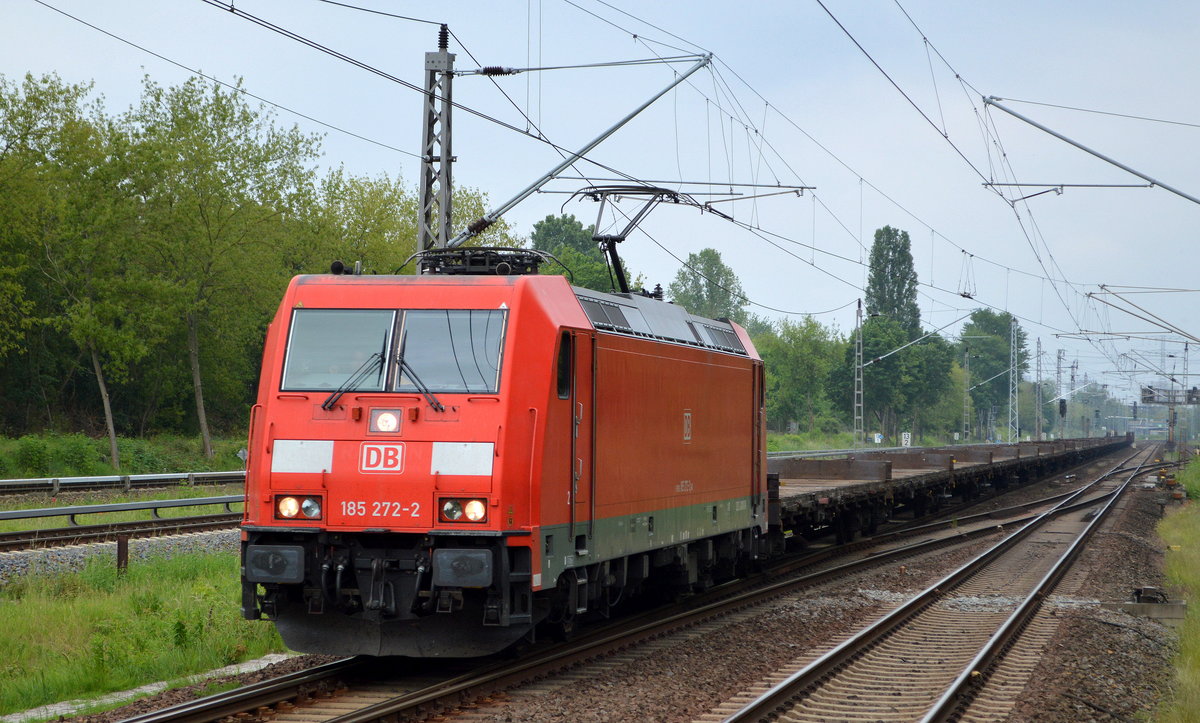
{"x":777,"y":442}
{"x":77,"y":455}
{"x":1181,"y":531}
{"x":92,"y":632}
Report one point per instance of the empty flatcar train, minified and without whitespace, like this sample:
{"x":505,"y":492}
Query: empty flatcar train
{"x":440,"y":463}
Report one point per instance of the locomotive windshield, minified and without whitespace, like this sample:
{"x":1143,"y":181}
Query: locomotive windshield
{"x":452,"y":350}
{"x":327,"y":347}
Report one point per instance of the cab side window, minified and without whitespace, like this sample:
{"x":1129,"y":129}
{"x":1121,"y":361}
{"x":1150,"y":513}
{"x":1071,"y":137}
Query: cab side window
{"x":564,"y":366}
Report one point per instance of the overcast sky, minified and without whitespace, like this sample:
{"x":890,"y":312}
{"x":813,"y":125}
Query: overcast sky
{"x":790,"y":99}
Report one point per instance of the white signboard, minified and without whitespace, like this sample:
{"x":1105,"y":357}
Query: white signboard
{"x":906,"y":439}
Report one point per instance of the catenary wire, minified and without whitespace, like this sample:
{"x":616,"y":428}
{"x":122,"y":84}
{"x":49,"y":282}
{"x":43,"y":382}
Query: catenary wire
{"x":901,"y":91}
{"x":243,"y":91}
{"x":1104,"y":112}
{"x":380,"y":12}
{"x":1048,"y":275}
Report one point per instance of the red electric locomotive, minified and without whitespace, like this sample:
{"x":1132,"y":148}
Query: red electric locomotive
{"x":439,"y":463}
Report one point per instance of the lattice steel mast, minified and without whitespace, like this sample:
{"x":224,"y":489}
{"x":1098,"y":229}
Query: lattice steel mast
{"x":436,"y":156}
{"x":1014,"y":427}
{"x":859,"y":432}
{"x":1037,"y":395}
{"x":966,"y":394}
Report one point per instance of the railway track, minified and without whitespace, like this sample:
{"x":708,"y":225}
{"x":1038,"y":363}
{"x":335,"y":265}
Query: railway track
{"x":85,"y":534}
{"x":350,"y":692}
{"x":930,"y":657}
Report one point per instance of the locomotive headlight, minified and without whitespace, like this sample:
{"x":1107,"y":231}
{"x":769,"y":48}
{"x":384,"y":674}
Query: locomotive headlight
{"x":452,"y":510}
{"x":311,"y":507}
{"x":385,"y":420}
{"x":287,"y":507}
{"x":475,"y":510}
{"x":460,"y":510}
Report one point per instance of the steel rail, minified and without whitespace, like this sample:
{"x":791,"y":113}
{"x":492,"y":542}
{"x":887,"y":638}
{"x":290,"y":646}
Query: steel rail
{"x":251,"y":697}
{"x":154,"y":506}
{"x":769,"y":703}
{"x":959,"y":692}
{"x":80,"y":534}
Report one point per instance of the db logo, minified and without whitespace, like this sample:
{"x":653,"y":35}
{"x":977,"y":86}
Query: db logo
{"x":381,"y":458}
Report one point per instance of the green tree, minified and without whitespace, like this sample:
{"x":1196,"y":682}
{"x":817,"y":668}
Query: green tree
{"x":1028,"y":410}
{"x":35,"y":116}
{"x":216,"y":177}
{"x":927,"y":380}
{"x":555,"y":232}
{"x":110,"y":309}
{"x":884,"y":389}
{"x":471,"y":204}
{"x":986,"y":337}
{"x":64,"y":220}
{"x":173,"y":226}
{"x":705,"y":286}
{"x":892,"y":280}
{"x":565,"y":238}
{"x":358,"y":219}
{"x":757,"y":325}
{"x":798,"y":359}
{"x":945,"y":416}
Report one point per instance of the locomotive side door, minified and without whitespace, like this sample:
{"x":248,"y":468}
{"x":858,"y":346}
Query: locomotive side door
{"x":583,"y":437}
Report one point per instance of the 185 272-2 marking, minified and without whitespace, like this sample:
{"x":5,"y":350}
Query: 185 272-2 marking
{"x":380,"y":508}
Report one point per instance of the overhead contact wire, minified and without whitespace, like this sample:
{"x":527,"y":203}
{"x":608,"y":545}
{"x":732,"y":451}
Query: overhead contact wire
{"x":223,"y":83}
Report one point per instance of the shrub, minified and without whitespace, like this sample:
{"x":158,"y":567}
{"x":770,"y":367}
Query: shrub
{"x":78,"y":454}
{"x":139,"y":457}
{"x":33,"y":456}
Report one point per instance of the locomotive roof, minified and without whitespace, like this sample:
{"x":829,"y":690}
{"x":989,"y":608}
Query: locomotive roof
{"x":644,"y":316}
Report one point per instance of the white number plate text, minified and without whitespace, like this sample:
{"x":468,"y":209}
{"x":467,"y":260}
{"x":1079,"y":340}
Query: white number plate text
{"x":359,"y":508}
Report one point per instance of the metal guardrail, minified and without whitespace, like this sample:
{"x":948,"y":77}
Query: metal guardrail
{"x":126,"y":481}
{"x":153,"y":505}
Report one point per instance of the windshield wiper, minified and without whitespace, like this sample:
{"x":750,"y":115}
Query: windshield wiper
{"x":420,"y":385}
{"x":354,"y":380}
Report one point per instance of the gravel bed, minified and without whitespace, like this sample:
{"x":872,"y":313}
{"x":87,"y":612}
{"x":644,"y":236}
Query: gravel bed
{"x":1105,"y":665}
{"x":688,"y":674}
{"x":187,"y":693}
{"x":63,"y":559}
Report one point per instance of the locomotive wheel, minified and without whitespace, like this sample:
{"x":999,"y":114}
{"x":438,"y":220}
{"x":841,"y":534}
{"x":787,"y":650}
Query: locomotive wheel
{"x":560,"y":623}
